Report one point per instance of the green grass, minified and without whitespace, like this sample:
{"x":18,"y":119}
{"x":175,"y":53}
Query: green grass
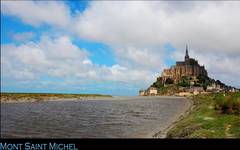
{"x":20,"y":97}
{"x":205,"y":121}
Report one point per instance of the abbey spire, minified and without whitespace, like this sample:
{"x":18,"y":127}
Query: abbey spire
{"x":186,"y":55}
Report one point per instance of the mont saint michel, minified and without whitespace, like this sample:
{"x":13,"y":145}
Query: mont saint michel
{"x":189,"y":67}
{"x":184,"y":78}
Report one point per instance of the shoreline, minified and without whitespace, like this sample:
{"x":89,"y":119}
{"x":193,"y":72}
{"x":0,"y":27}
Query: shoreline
{"x":65,"y":97}
{"x":45,"y":97}
{"x":163,"y":133}
{"x":32,"y":100}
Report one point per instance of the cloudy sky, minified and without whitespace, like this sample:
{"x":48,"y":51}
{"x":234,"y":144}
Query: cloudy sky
{"x":113,"y":47}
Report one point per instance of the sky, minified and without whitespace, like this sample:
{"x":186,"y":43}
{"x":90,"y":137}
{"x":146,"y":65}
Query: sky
{"x":113,"y":47}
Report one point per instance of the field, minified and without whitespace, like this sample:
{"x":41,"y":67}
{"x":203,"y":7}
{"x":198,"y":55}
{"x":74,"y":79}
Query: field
{"x":213,"y":116}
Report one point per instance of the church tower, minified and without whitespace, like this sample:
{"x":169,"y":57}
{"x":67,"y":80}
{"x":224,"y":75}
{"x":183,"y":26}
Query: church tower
{"x":186,"y":55}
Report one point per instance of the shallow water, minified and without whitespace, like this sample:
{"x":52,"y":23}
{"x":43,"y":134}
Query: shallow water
{"x":122,"y":117}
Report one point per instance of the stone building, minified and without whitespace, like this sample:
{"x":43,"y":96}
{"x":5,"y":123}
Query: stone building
{"x":152,"y":91}
{"x":142,"y":92}
{"x":189,"y":67}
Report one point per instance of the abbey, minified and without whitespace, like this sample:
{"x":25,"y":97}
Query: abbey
{"x":189,"y":67}
{"x":185,"y":78}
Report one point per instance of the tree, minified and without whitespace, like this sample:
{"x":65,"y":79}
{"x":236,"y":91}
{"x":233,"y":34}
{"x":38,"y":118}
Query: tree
{"x":184,"y":82}
{"x":204,"y":87}
{"x":204,"y":81}
{"x":169,"y":81}
{"x":157,"y":84}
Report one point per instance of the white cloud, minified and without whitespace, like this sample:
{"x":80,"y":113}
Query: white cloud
{"x":136,"y":31}
{"x":38,"y":12}
{"x":208,"y":25}
{"x":25,"y":36}
{"x":205,"y":25}
{"x":60,"y":58}
{"x":56,"y":57}
{"x":87,"y":62}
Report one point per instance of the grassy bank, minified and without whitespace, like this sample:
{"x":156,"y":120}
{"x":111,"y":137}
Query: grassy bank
{"x":213,"y":116}
{"x":35,"y":97}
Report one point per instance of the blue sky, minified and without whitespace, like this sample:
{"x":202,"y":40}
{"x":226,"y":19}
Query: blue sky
{"x":109,"y":47}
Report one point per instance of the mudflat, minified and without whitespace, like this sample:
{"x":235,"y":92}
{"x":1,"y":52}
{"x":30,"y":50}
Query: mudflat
{"x":40,"y":97}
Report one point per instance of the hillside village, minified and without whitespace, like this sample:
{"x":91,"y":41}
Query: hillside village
{"x":186,"y":78}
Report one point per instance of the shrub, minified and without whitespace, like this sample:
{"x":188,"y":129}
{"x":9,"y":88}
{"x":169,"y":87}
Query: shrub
{"x":236,"y":104}
{"x":184,"y":82}
{"x":228,"y":104}
{"x":219,"y":101}
{"x":169,"y":81}
{"x":157,"y":84}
